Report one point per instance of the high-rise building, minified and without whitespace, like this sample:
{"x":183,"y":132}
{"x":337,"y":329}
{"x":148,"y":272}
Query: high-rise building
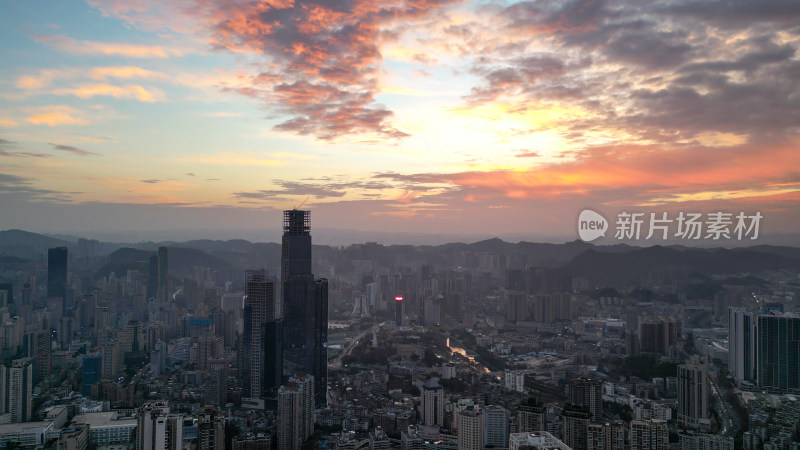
{"x":112,"y":358}
{"x":574,"y":426}
{"x":152,"y":277}
{"x":157,"y":429}
{"x":38,"y":348}
{"x":433,"y":403}
{"x":657,"y":336}
{"x":537,"y":440}
{"x":162,"y":287}
{"x":57,"y":273}
{"x":6,"y":294}
{"x":305,"y":320}
{"x":778,"y":351}
{"x":91,"y":373}
{"x":411,"y":439}
{"x":692,"y":441}
{"x":588,"y":394}
{"x":321,"y":342}
{"x":398,"y":310}
{"x":252,"y":442}
{"x":470,"y":429}
{"x":531,"y":416}
{"x":495,"y":426}
{"x":651,"y":434}
{"x":693,"y":393}
{"x":741,"y":344}
{"x":16,"y":390}
{"x":260,"y":371}
{"x":210,"y":429}
{"x":295,"y":412}
{"x":605,"y":436}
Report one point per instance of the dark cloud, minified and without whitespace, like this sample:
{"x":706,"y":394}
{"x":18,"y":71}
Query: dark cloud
{"x":190,"y":174}
{"x":21,"y":188}
{"x":322,"y":189}
{"x":9,"y":149}
{"x":151,"y":181}
{"x":662,"y":73}
{"x":74,"y":150}
{"x":527,"y":154}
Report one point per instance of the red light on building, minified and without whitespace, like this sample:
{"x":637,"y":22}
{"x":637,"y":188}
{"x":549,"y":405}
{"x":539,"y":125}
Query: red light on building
{"x":399,"y":298}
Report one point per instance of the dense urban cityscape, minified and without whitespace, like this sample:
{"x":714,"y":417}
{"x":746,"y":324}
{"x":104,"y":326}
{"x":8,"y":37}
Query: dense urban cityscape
{"x":490,"y":345}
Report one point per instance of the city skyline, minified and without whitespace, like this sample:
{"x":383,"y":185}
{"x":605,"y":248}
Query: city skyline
{"x":437,"y":117}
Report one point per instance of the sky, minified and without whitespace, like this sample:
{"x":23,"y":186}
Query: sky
{"x":488,"y":118}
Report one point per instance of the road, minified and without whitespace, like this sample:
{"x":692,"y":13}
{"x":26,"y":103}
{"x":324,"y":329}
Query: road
{"x":337,"y":361}
{"x":729,"y":426}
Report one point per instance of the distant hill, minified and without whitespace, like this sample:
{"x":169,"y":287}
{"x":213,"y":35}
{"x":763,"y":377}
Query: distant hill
{"x":24,"y":244}
{"x":181,"y":261}
{"x":616,"y":269}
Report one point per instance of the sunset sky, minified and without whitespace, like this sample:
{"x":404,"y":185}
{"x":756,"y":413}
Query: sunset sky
{"x":436,"y":116}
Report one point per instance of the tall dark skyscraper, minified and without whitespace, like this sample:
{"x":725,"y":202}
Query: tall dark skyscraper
{"x":152,"y":277}
{"x":57,"y":272}
{"x":162,"y":291}
{"x":398,"y":310}
{"x":305,"y":310}
{"x":262,"y":367}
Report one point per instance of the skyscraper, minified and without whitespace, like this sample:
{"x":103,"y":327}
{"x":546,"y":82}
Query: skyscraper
{"x":260,"y":367}
{"x":433,"y":403}
{"x":157,"y":429}
{"x":57,"y":273}
{"x":210,"y":429}
{"x":470,"y":429}
{"x":16,"y":390}
{"x":588,"y":393}
{"x":651,"y":434}
{"x":495,"y":426}
{"x":152,"y":277}
{"x":742,"y":344}
{"x":162,"y":288}
{"x":91,"y":371}
{"x":398,"y":310}
{"x":693,"y":393}
{"x":305,"y":318}
{"x":531,"y":416}
{"x":295,"y":412}
{"x":778,"y":351}
{"x":575,"y":426}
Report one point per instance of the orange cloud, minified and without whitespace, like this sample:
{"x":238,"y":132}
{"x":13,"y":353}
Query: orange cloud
{"x":57,"y":115}
{"x":77,"y":47}
{"x":123,"y":72}
{"x":133,"y":91}
{"x":6,"y":122}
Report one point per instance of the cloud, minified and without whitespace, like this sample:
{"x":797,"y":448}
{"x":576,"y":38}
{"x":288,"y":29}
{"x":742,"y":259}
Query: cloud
{"x":21,"y":188}
{"x":8,"y":122}
{"x":57,"y":115}
{"x":323,"y":58}
{"x":8,"y":149}
{"x":325,"y":189}
{"x":76,"y":47}
{"x":151,"y":181}
{"x":74,"y":150}
{"x":124,"y":73}
{"x":527,"y":154}
{"x":130,"y":91}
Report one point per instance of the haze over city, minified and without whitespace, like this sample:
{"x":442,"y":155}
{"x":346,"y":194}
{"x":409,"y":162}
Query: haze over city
{"x":470,"y":118}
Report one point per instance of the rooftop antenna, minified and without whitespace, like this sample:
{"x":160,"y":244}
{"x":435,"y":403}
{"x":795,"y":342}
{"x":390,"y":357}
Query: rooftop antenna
{"x":303,"y":203}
